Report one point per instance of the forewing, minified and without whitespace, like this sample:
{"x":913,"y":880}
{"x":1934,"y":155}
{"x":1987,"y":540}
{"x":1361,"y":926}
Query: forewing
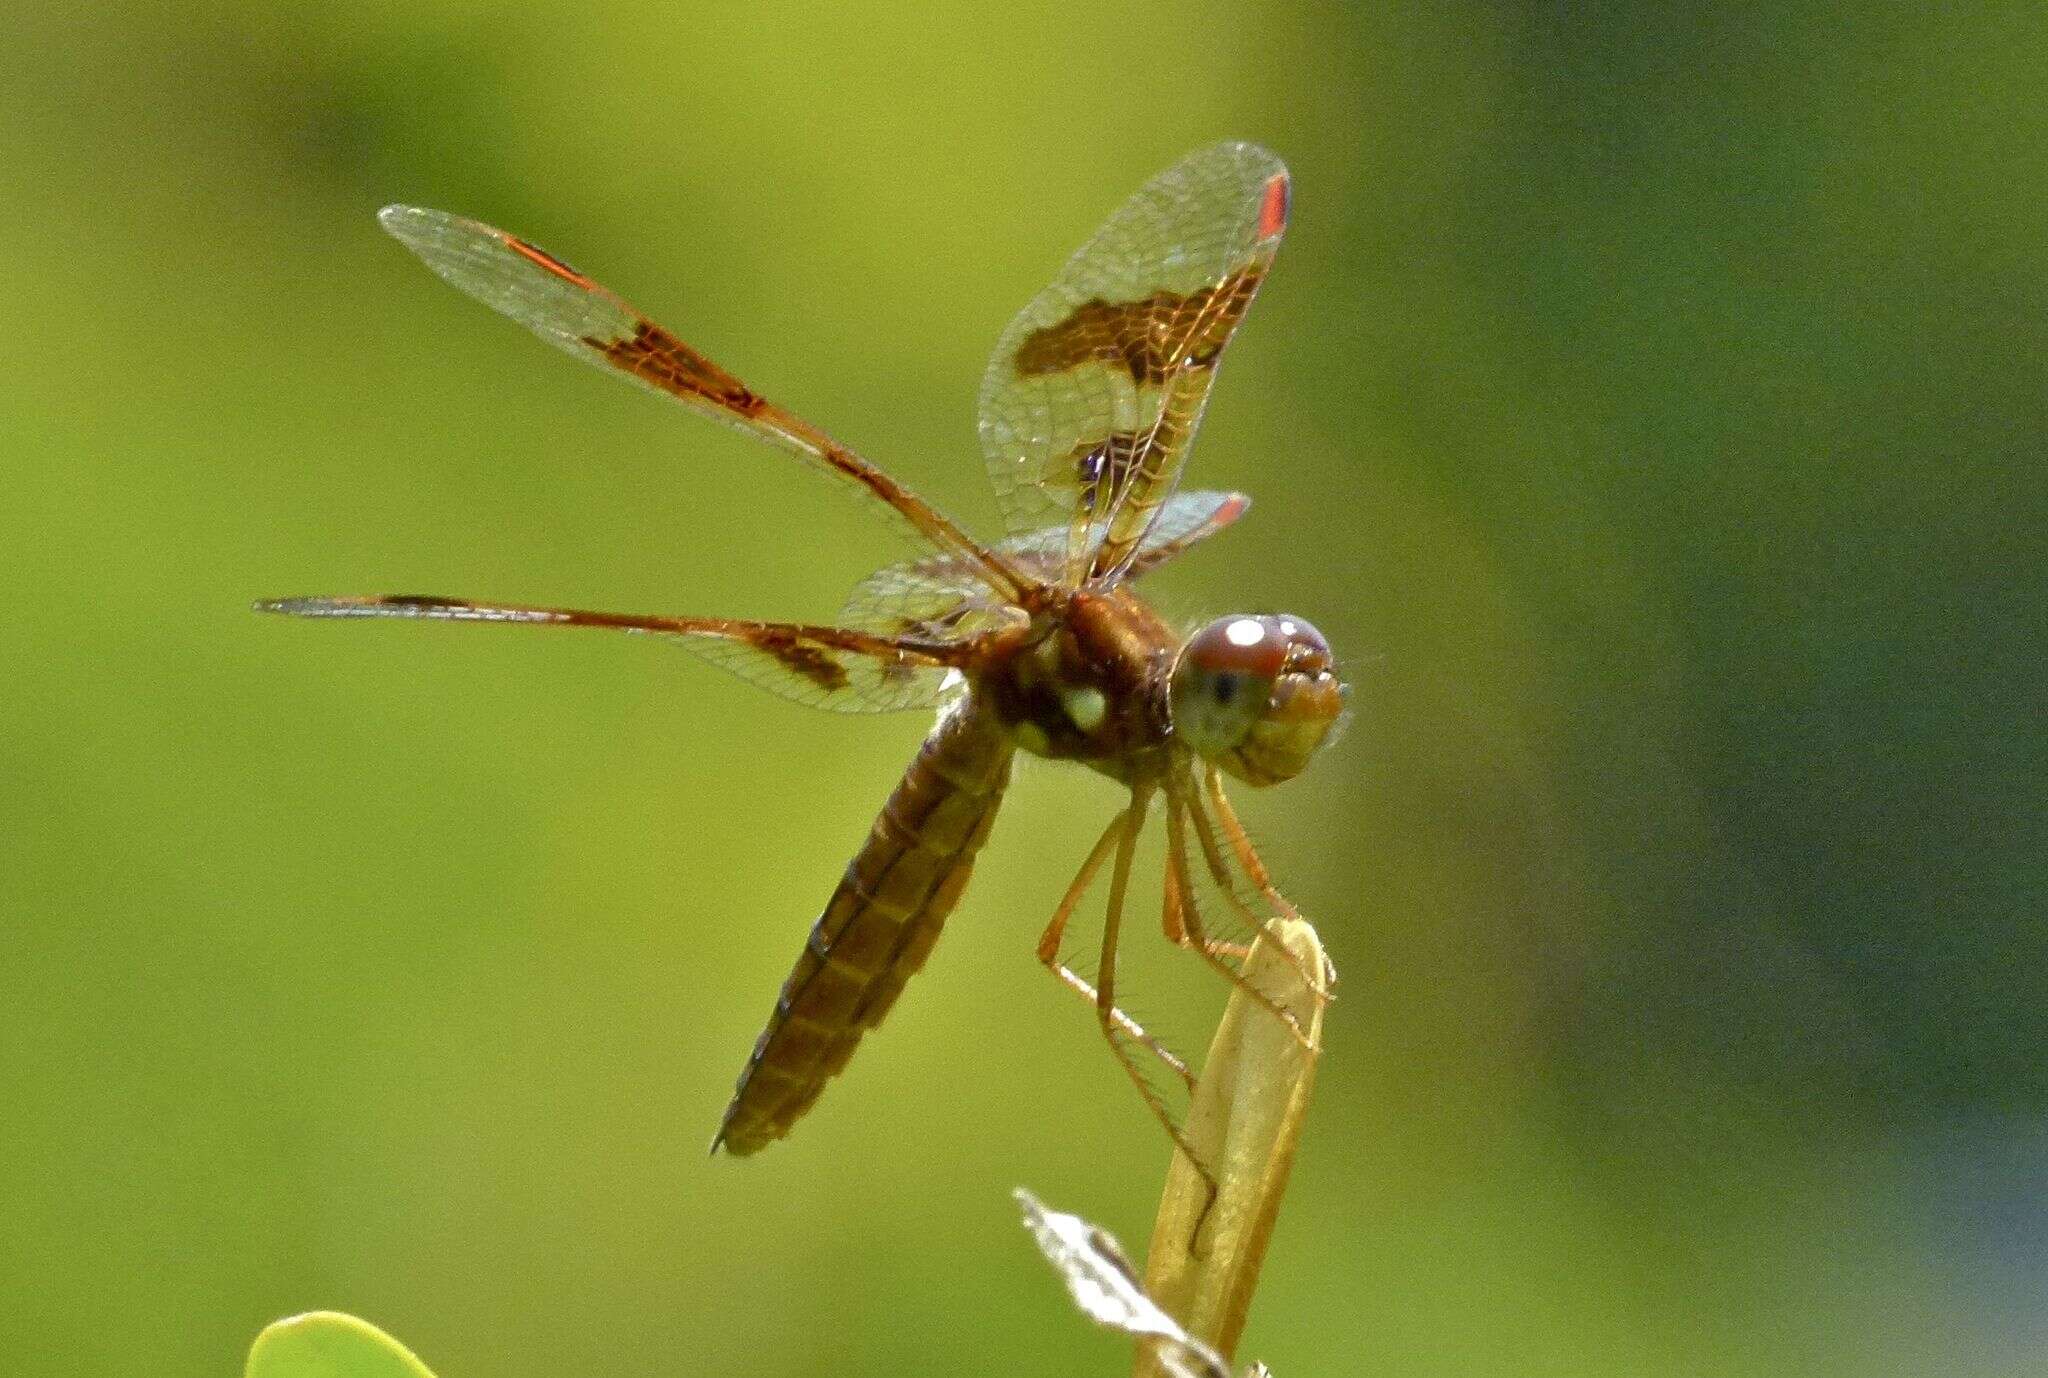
{"x":941,"y":598}
{"x":576,"y":315}
{"x":1093,"y":395}
{"x":843,"y":669}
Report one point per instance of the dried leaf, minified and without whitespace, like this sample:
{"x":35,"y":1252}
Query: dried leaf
{"x":1106,"y":1288}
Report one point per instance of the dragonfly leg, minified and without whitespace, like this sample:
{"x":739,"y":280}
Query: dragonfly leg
{"x":1241,"y":842}
{"x":1055,"y":932}
{"x":1174,"y":913}
{"x":1125,"y":832}
{"x":1248,"y":857}
{"x":1192,"y":934}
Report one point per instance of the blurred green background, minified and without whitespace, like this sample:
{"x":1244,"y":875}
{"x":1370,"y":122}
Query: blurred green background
{"x":1649,"y":404}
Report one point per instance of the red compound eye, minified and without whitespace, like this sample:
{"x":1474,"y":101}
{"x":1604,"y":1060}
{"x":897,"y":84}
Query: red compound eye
{"x":1262,"y":647}
{"x":1256,"y":695}
{"x":1253,"y":646}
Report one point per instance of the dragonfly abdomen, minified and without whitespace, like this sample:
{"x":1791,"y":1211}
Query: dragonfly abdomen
{"x":877,"y":928}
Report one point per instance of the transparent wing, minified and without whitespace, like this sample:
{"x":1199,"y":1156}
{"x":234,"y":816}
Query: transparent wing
{"x":576,"y":315}
{"x":838,"y":668}
{"x":1182,"y":521}
{"x":1094,"y":392}
{"x":937,"y":598}
{"x":941,"y":599}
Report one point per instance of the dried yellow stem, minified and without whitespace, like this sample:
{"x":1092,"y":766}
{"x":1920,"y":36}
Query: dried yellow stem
{"x":1244,"y":1121}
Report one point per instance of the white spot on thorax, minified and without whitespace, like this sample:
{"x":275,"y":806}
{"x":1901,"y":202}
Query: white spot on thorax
{"x":1086,"y":706}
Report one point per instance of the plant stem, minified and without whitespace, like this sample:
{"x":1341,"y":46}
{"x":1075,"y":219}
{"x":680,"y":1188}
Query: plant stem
{"x":1245,"y":1121}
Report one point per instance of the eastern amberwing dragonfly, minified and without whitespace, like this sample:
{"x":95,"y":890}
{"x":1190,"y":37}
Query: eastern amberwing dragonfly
{"x":1037,"y":642}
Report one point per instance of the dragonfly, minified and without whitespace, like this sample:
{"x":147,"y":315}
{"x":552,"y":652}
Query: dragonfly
{"x":1035,"y":643}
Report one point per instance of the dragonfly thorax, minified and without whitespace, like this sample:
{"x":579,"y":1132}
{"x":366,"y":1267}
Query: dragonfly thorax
{"x":1087,"y":682}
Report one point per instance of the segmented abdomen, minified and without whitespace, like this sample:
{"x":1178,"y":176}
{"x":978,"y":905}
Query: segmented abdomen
{"x":877,"y":928}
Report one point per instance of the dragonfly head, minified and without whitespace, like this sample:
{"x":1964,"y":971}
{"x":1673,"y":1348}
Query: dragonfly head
{"x":1256,"y":695}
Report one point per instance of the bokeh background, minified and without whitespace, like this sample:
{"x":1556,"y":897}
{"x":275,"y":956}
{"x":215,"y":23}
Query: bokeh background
{"x":1648,"y":403}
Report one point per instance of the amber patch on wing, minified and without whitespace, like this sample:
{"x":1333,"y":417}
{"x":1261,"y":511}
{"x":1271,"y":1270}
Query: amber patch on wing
{"x":799,"y":656}
{"x":654,"y":355}
{"x":1152,"y":338}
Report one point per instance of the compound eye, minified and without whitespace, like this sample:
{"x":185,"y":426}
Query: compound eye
{"x":1233,"y":649}
{"x":1224,"y":680}
{"x":1307,"y":650}
{"x":1256,"y":694}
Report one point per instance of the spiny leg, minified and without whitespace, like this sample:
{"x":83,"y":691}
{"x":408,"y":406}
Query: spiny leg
{"x":1241,"y":843}
{"x":1129,"y":824}
{"x":1219,"y":871}
{"x":1248,"y":857}
{"x":1173,"y":910}
{"x":1055,"y":933}
{"x":1192,"y":934}
{"x":1173,"y":916}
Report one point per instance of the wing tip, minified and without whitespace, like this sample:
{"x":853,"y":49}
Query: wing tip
{"x":1249,"y":160}
{"x":365,"y":605}
{"x":1273,"y":204}
{"x":427,"y":231}
{"x":399,"y":219}
{"x":1246,"y":153}
{"x":289,"y":607}
{"x":325,"y":605}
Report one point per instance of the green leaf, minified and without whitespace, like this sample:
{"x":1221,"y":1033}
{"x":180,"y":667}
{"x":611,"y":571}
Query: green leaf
{"x":328,"y":1344}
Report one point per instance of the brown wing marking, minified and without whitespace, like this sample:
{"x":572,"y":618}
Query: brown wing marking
{"x":1173,"y":357}
{"x":800,"y":656}
{"x":1153,"y":338}
{"x":575,"y":314}
{"x":1094,"y":393}
{"x":841,"y":668}
{"x":661,"y":360}
{"x":877,"y":928}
